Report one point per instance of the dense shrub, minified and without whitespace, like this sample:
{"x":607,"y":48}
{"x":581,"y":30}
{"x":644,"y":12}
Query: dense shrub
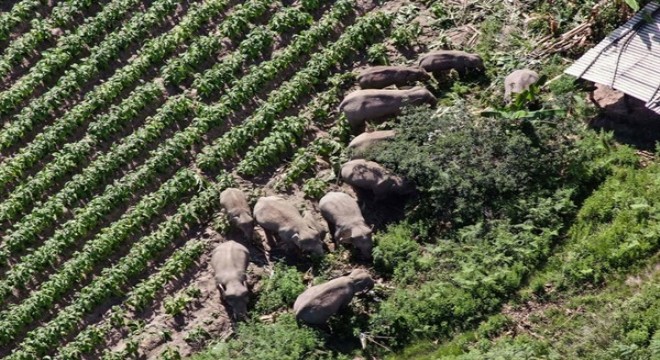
{"x":469,"y":169}
{"x":394,"y":247}
{"x":479,"y":268}
{"x":618,"y":226}
{"x":282,"y":340}
{"x":507,"y":188}
{"x":280,"y":290}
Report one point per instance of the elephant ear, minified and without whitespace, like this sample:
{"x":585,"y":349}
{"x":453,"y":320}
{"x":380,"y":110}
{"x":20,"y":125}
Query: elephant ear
{"x":345,"y":235}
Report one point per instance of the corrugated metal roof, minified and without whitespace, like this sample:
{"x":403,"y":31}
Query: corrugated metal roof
{"x":628,"y":60}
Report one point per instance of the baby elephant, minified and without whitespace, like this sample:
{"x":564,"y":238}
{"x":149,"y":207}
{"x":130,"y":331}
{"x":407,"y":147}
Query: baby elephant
{"x":342,"y":212}
{"x":234,"y":202}
{"x":378,"y":77}
{"x":318,"y":303}
{"x":229,"y":261}
{"x":519,"y":81}
{"x":366,"y":140}
{"x":277,"y":216}
{"x":372,"y":176}
{"x":362,"y":105}
{"x":445,"y":60}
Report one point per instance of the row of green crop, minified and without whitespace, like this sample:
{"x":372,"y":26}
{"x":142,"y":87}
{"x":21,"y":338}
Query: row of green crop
{"x":113,"y":280}
{"x":233,"y":27}
{"x":64,"y":237}
{"x":74,"y":154}
{"x":93,"y":336}
{"x":141,"y":295}
{"x":25,"y":232}
{"x":63,"y":15}
{"x":282,"y":98}
{"x":38,"y":339}
{"x":17,"y":316}
{"x":152,"y":52}
{"x":96,"y":173}
{"x":20,"y":12}
{"x":316,"y":109}
{"x":215,"y":80}
{"x":287,"y":132}
{"x":91,"y":216}
{"x":286,"y":95}
{"x":67,"y":48}
{"x":28,"y":228}
{"x":288,"y":19}
{"x":331,"y":146}
{"x":306,"y":158}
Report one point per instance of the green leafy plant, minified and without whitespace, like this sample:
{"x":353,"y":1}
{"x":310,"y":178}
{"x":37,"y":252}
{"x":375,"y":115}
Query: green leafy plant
{"x":377,"y":54}
{"x":279,"y":290}
{"x":395,"y":247}
{"x":283,"y":339}
{"x":634,"y":4}
{"x":315,"y":188}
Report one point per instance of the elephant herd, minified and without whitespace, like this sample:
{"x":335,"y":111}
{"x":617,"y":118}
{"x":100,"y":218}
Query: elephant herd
{"x":282,"y":222}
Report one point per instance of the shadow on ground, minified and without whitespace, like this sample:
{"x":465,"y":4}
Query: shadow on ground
{"x":630,"y":121}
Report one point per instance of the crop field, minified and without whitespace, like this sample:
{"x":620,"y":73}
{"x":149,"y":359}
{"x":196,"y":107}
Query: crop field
{"x":123,"y":120}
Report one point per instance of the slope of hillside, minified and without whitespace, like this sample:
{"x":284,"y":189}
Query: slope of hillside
{"x":531,"y":233}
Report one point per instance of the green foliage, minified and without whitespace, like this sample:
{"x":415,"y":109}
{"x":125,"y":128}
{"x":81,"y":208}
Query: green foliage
{"x":283,"y":339}
{"x":280,"y":290}
{"x":170,"y":354}
{"x":406,"y":35}
{"x":377,"y":54}
{"x":315,"y":188}
{"x":617,"y":322}
{"x":468,"y":168}
{"x":634,"y":4}
{"x":394,"y":247}
{"x":617,"y":226}
{"x":479,"y":267}
{"x":494,"y":325}
{"x":176,"y":305}
{"x":406,"y":29}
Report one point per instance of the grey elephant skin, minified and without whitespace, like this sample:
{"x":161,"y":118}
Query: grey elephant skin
{"x":229,"y":262}
{"x":342,"y":212}
{"x":372,"y":176}
{"x":277,"y":216}
{"x":378,"y":77}
{"x":366,"y":140}
{"x":362,"y":105}
{"x":519,"y":81}
{"x":446,"y":60}
{"x":318,"y":303}
{"x":235,"y":204}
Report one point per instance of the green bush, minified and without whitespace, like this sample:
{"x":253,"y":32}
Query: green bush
{"x":479,"y":267}
{"x":394,"y":247}
{"x":618,"y":226}
{"x":470,"y":169}
{"x":282,"y":340}
{"x":280,"y":290}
